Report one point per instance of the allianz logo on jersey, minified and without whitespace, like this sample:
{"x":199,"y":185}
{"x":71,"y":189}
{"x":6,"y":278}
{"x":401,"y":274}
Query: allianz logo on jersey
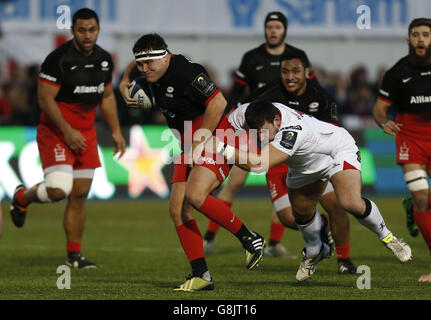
{"x":420,"y":99}
{"x":90,"y":89}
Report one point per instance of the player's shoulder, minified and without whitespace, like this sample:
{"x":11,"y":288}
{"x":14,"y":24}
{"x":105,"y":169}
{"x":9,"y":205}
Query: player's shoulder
{"x":255,"y":52}
{"x":274,"y":93}
{"x":180,"y":63}
{"x":58,"y":53}
{"x":183,"y":68}
{"x":102,"y":53}
{"x":291,"y":48}
{"x":317,"y":91}
{"x":398,"y":68}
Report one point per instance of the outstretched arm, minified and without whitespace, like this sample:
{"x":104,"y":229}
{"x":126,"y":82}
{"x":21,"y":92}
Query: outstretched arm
{"x":250,"y":161}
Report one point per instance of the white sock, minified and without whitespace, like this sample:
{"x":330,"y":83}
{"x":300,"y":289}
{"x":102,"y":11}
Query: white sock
{"x":311,"y":235}
{"x":375,"y":222}
{"x":206,"y":276}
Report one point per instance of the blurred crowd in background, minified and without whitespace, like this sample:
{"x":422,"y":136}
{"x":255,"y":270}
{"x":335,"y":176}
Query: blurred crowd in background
{"x":355,"y":93}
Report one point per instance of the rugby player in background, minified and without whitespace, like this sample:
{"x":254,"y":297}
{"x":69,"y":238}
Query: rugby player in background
{"x":407,"y":88}
{"x":74,"y":80}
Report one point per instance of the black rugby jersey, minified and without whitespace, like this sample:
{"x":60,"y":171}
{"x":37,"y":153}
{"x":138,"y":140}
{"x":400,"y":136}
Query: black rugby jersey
{"x":259,"y":68}
{"x":82,"y":79}
{"x":183,"y":92}
{"x":314,"y":101}
{"x":407,"y":87}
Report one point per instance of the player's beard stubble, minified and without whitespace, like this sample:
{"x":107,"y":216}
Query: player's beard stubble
{"x":419,"y":60}
{"x":277,"y":44}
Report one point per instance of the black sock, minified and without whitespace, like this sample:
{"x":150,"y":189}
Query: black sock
{"x":73,"y":255}
{"x":199,"y":267}
{"x":243,"y":233}
{"x":273,"y":243}
{"x":209,"y":236}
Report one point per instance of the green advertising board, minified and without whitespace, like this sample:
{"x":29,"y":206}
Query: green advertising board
{"x":146,"y":167}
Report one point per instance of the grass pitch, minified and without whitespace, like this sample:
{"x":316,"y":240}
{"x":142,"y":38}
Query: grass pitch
{"x":140,"y":257}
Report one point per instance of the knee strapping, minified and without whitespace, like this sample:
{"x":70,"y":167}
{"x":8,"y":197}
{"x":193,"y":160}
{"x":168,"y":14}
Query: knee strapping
{"x":416,"y":180}
{"x":55,"y":180}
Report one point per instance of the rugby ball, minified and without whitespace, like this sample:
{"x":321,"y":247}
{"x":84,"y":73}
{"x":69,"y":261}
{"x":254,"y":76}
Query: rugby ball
{"x":142,"y":91}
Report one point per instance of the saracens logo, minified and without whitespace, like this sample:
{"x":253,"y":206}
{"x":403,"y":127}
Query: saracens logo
{"x":90,"y":89}
{"x":59,"y":153}
{"x":404,"y":152}
{"x":313,"y":106}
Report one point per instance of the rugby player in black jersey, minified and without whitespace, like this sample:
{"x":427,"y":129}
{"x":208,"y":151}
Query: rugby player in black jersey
{"x":296,"y":92}
{"x":75,"y":78}
{"x":407,"y":87}
{"x":190,"y":101}
{"x":259,"y":68}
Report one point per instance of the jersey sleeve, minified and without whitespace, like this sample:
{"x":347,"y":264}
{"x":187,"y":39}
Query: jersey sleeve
{"x":202,"y":88}
{"x":110,"y":66}
{"x":388,"y":89}
{"x":241,"y":74}
{"x":288,"y":140}
{"x":50,"y":70}
{"x":237,"y":117}
{"x":329,"y":110}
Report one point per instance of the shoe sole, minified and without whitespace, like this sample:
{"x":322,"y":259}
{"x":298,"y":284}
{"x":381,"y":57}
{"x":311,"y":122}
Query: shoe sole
{"x":86,"y":267}
{"x":207,"y":288}
{"x":19,"y":217}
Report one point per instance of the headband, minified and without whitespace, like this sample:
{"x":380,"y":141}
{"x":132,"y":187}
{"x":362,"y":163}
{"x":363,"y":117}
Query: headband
{"x":150,"y":54}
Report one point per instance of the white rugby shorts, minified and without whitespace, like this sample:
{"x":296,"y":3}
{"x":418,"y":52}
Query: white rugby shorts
{"x":344,"y":155}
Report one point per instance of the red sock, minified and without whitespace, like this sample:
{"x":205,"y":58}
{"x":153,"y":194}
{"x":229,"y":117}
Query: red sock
{"x":343,"y":252}
{"x":20,"y":198}
{"x":276,"y":232}
{"x":73,"y":247}
{"x":218,"y":211}
{"x":212,"y":226}
{"x":191,"y":240}
{"x":423,"y":220}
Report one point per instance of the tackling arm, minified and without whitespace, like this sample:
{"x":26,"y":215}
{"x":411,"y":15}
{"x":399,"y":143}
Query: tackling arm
{"x":249,"y":161}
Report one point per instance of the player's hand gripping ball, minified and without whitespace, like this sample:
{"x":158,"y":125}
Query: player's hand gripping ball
{"x":142,"y":91}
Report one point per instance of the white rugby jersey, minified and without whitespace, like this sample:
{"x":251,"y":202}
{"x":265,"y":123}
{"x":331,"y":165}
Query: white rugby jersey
{"x":311,"y":144}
